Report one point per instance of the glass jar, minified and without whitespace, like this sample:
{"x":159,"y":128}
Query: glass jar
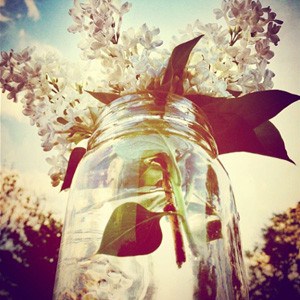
{"x":160,"y":161}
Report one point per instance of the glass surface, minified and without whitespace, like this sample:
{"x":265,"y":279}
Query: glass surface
{"x":153,"y":156}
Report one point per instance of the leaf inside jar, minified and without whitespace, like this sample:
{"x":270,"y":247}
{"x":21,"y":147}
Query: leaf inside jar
{"x":132,"y":230}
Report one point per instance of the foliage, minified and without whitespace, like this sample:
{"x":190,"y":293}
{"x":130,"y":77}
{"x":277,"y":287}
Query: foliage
{"x":29,"y":243}
{"x":242,"y":124}
{"x":274,"y":269}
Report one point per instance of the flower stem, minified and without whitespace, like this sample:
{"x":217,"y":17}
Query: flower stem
{"x":181,"y":210}
{"x":175,"y":180}
{"x":170,"y":207}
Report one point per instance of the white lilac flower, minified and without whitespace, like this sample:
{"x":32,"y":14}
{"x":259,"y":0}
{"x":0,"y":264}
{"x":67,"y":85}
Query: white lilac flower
{"x":147,"y":37}
{"x":267,"y":82}
{"x":13,"y":77}
{"x":245,"y":17}
{"x":209,"y":66}
{"x":271,"y":34}
{"x":262,"y":48}
{"x":99,"y":21}
{"x":58,"y":169}
{"x":244,"y":57}
{"x":256,"y":27}
{"x":132,"y":63}
{"x":214,"y":32}
{"x":221,"y":12}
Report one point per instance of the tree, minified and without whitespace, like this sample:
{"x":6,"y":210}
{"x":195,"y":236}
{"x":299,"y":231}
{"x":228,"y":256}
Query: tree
{"x":29,"y":243}
{"x":274,"y":269}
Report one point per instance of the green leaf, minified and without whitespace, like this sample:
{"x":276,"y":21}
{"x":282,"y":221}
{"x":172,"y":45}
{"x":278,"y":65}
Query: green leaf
{"x":177,"y":64}
{"x":105,"y":98}
{"x":75,"y":158}
{"x":132,"y":230}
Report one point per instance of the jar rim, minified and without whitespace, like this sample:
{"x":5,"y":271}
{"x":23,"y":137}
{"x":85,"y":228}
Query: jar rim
{"x":176,"y":108}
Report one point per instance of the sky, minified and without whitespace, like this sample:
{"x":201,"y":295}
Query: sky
{"x":262,"y":185}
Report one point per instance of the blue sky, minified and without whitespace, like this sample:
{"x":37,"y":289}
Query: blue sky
{"x":262,"y":185}
{"x":49,"y":27}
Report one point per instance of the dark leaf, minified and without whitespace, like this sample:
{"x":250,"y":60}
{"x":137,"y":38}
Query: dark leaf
{"x":234,"y":93}
{"x":74,"y":160}
{"x":212,"y":187}
{"x":233,"y":134}
{"x":271,"y":140}
{"x":177,"y":63}
{"x":254,"y":108}
{"x":240,"y":124}
{"x":132,"y":230}
{"x":105,"y":98}
{"x":202,"y":100}
{"x":213,"y":230}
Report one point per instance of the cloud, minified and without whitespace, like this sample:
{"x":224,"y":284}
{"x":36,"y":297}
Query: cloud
{"x":4,"y":19}
{"x":55,"y":201}
{"x":13,"y":12}
{"x":12,"y":109}
{"x":33,"y":11}
{"x":7,"y":150}
{"x":20,"y":151}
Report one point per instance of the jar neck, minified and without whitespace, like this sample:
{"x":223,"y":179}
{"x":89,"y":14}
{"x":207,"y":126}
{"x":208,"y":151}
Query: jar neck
{"x":143,"y":113}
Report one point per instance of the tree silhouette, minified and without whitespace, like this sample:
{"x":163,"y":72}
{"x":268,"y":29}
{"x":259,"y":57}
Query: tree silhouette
{"x":29,"y":243}
{"x":274,"y":270}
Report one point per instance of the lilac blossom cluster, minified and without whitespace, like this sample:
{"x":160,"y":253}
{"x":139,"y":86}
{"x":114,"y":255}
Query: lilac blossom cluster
{"x":100,"y":20}
{"x":228,"y":60}
{"x":235,"y":58}
{"x":129,"y":60}
{"x":54,"y":103}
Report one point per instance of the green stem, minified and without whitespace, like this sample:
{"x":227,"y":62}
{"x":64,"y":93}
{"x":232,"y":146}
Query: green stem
{"x":163,"y":160}
{"x":181,"y":210}
{"x":176,"y":180}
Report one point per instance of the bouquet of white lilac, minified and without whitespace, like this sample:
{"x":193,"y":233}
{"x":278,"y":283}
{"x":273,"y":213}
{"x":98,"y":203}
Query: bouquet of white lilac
{"x":228,"y":62}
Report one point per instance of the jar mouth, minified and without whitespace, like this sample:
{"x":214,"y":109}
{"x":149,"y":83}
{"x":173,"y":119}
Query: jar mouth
{"x":142,"y":111}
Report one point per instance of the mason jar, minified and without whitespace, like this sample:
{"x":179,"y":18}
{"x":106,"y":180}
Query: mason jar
{"x":151,"y":213}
